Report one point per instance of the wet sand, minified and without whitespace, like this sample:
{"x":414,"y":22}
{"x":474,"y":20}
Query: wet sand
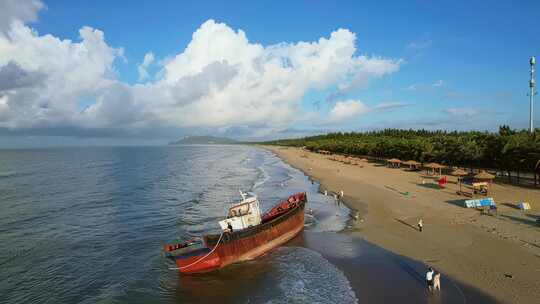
{"x":380,"y":276}
{"x":499,"y":256}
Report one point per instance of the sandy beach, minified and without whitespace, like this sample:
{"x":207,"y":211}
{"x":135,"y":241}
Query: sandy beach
{"x":498,"y":255}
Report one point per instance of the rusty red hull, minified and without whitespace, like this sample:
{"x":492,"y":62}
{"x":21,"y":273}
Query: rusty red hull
{"x":280,"y":224}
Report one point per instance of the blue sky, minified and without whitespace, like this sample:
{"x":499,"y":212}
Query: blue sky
{"x":462,"y":65}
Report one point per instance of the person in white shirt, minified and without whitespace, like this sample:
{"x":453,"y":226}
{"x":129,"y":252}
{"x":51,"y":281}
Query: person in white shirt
{"x":420,"y":225}
{"x":429,"y":278}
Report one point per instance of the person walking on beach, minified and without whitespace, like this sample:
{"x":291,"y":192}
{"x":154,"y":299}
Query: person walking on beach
{"x":429,"y":279}
{"x":420,"y":225}
{"x":437,"y":281}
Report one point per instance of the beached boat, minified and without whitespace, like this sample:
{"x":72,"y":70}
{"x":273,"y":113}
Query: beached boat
{"x":246,"y":234}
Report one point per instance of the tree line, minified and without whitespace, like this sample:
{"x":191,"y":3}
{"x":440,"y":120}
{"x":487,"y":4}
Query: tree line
{"x":506,"y":151}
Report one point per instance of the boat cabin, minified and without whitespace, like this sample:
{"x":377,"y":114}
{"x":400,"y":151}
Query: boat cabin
{"x":243,"y":215}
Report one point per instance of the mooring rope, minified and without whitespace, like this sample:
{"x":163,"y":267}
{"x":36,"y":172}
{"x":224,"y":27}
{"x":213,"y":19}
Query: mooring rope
{"x":197,"y":261}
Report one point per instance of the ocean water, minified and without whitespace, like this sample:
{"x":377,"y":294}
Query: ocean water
{"x":86,"y":225}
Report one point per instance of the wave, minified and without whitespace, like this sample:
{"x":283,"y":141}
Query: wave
{"x":305,"y":276}
{"x":263,"y":177}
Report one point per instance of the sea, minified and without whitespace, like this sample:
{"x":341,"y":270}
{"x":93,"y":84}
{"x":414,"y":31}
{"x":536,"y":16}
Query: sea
{"x":87,"y":225}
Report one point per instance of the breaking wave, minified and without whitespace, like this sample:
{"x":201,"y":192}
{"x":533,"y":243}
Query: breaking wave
{"x":262,"y":177}
{"x":305,"y":276}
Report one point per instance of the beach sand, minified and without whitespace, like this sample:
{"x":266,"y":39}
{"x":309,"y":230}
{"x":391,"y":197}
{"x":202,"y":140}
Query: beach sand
{"x":498,"y":255}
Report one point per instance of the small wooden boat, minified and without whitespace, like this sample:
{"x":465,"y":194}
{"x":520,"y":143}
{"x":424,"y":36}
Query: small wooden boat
{"x":245,"y":235}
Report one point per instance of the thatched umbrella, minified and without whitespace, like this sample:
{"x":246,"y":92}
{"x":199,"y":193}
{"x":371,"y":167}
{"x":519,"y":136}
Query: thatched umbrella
{"x":411,"y":164}
{"x":484,"y":176}
{"x":394,"y":162}
{"x":434,"y":166}
{"x":459,"y":173}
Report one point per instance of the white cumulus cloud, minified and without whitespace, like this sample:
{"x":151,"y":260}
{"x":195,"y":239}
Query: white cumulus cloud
{"x":220,"y":81}
{"x":142,"y":67}
{"x":18,"y":11}
{"x":344,"y":111}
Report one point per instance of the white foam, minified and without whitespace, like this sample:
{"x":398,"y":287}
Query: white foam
{"x":265,"y":177}
{"x":305,"y":276}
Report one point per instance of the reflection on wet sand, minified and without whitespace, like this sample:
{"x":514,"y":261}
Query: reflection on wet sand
{"x":380,"y":276}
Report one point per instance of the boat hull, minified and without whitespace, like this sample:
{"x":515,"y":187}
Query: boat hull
{"x":247,"y":244}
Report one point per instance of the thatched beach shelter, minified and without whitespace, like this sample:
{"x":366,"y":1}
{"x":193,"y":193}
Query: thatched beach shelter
{"x":394,"y":162}
{"x":483,"y":176}
{"x":434,"y":167}
{"x":413,"y":165}
{"x":459,"y":173}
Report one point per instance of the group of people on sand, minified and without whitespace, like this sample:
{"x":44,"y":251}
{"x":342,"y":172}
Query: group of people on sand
{"x":433,"y":280}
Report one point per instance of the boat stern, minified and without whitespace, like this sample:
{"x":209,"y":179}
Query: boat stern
{"x":198,"y":261}
{"x":192,"y":256}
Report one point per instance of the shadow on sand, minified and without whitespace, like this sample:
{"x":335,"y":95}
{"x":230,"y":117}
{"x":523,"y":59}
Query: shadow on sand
{"x":458,"y":202}
{"x":429,"y":185}
{"x":520,"y":220}
{"x":510,"y":205}
{"x":406,"y":224}
{"x":534,"y":216}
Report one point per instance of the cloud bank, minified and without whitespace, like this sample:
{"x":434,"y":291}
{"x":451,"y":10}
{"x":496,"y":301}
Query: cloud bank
{"x":220,"y":81}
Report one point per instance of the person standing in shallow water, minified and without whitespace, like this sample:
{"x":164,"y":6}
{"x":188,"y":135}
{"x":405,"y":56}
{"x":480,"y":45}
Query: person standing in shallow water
{"x":437,"y":281}
{"x":429,"y":279}
{"x":420,"y":225}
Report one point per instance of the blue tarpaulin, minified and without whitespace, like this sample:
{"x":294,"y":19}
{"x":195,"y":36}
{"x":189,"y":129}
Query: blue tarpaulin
{"x":481,"y":202}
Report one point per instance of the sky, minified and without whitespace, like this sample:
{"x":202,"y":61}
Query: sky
{"x":111,"y":72}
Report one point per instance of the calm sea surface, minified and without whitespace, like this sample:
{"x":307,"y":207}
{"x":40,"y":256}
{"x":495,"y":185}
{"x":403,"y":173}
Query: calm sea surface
{"x":86,"y":225}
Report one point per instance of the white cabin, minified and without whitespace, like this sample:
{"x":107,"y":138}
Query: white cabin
{"x":244,"y":214}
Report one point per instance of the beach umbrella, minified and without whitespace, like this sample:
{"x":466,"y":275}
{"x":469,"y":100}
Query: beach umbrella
{"x":459,"y":173}
{"x":484,"y":176}
{"x":394,"y":162}
{"x":434,"y":166}
{"x":411,"y":164}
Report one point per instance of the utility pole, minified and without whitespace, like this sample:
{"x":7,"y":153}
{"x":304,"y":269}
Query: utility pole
{"x":532,"y":84}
